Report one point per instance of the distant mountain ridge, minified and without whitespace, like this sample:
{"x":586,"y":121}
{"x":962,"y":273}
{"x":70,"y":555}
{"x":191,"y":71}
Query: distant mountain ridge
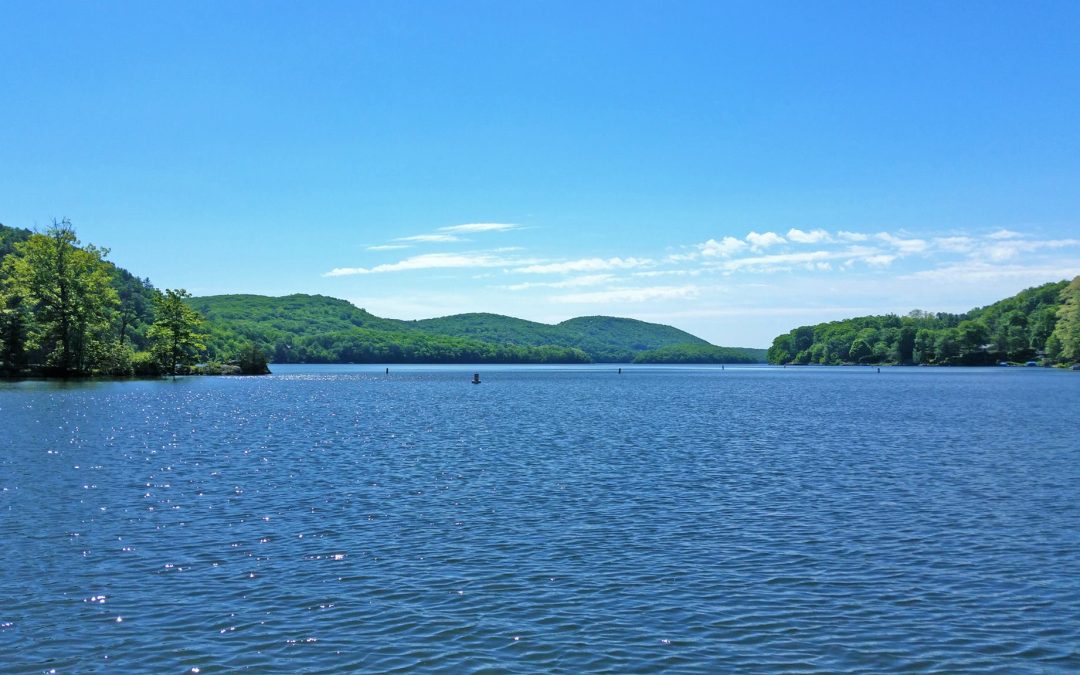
{"x":318,"y":328}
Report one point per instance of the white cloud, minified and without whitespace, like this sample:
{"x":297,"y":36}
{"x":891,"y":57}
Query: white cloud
{"x":727,"y":312}
{"x":852,"y":236}
{"x":954,"y":244}
{"x":1003,"y":249}
{"x":1002,"y":233}
{"x":764,"y":240}
{"x":763,"y":262}
{"x":682,"y":257}
{"x":644,"y":294}
{"x":879,"y":260}
{"x":585,"y":265}
{"x":387,"y":247}
{"x":858,"y":251}
{"x":725,"y":247}
{"x":427,"y":261}
{"x":480,"y":227}
{"x":904,"y":246}
{"x":976,"y":271}
{"x":573,"y":282}
{"x":811,"y":237}
{"x":430,"y":238}
{"x":668,"y":273}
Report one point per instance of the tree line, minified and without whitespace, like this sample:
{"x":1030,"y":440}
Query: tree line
{"x":66,"y":311}
{"x":1041,"y":323}
{"x":700,"y":353}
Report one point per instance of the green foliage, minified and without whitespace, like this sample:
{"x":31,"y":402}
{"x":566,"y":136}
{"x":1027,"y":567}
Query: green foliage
{"x":14,"y":324}
{"x":175,"y":336}
{"x":145,"y":364}
{"x":700,"y":353}
{"x":360,"y":345}
{"x":1064,"y":341}
{"x":605,"y":339}
{"x":1015,"y":329}
{"x":135,"y":312}
{"x":9,"y":236}
{"x":64,"y":302}
{"x":277,"y":324}
{"x":491,"y":328}
{"x":610,"y":339}
{"x":317,"y":329}
{"x":252,"y":361}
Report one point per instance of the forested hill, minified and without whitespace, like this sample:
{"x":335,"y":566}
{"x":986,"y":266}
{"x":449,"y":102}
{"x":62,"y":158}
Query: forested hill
{"x":315,"y":328}
{"x":318,"y":329}
{"x":1040,"y":323}
{"x":9,"y":236}
{"x":603,"y":338}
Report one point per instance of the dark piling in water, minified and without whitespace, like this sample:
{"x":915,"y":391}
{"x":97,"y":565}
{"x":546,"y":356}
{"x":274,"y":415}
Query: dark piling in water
{"x":476,"y":378}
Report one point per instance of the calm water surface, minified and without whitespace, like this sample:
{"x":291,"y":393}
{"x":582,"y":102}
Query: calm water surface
{"x":327,"y":519}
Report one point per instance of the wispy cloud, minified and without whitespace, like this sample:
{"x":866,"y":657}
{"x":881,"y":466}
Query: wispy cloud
{"x":1005,"y":249}
{"x":585,"y":265}
{"x":880,"y":260}
{"x":480,"y":227}
{"x":954,"y":244}
{"x":428,"y":261}
{"x":387,"y":247}
{"x":764,"y":262}
{"x":643,"y":294}
{"x":573,"y":282}
{"x":430,"y":238}
{"x":976,"y":271}
{"x":903,"y":245}
{"x":446,"y":235}
{"x":852,"y":236}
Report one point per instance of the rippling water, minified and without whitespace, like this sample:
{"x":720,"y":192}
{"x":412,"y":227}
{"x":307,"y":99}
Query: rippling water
{"x":551,"y":519}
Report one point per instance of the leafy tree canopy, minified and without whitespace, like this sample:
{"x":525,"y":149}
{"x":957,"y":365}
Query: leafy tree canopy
{"x":1023,"y":327}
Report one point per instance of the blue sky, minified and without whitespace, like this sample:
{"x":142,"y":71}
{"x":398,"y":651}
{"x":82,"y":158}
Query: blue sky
{"x":734,"y":169}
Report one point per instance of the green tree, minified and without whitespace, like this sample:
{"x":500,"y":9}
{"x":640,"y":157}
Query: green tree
{"x":782,"y":349}
{"x":860,"y":350}
{"x":971,"y":335}
{"x":253,"y":360}
{"x":947,"y":347}
{"x":175,"y":336}
{"x":66,"y":292}
{"x":905,"y":346}
{"x":1066,"y":336}
{"x":13,"y":326}
{"x":924,"y":346}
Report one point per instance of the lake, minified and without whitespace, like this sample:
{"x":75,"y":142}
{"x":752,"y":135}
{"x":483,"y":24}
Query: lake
{"x":551,"y":519}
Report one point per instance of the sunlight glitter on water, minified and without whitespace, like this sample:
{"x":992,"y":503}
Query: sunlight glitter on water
{"x":553,"y":519}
